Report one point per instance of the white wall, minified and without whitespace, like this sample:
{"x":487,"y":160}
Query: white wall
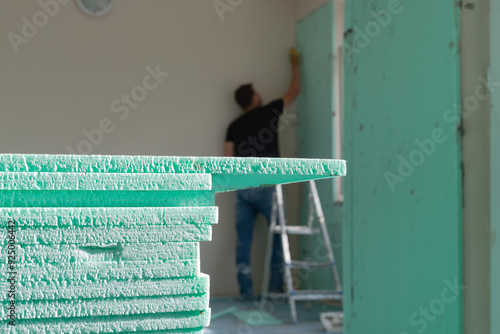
{"x":65,"y":79}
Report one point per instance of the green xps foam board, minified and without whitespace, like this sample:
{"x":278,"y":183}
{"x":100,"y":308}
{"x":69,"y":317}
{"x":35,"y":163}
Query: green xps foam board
{"x":228,"y":173}
{"x":110,"y":307}
{"x":89,"y":235}
{"x":90,"y":198}
{"x":95,"y":271}
{"x":110,"y":244}
{"x":145,"y":323}
{"x":103,"y":181}
{"x":96,"y":217}
{"x":69,"y":289}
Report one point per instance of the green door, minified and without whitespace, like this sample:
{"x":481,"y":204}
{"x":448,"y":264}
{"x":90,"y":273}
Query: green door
{"x":402,"y":239}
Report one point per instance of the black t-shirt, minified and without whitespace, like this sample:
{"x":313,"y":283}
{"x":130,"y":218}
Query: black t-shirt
{"x":255,"y":133}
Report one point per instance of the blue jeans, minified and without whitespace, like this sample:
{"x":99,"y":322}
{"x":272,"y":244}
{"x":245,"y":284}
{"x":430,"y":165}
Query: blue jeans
{"x":249,"y":202}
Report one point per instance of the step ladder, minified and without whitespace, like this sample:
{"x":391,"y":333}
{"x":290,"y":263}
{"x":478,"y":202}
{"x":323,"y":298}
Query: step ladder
{"x":278,"y":226}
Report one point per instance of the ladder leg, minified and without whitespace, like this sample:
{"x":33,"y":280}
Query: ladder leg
{"x":269,"y":251}
{"x":278,"y":225}
{"x":326,"y":237}
{"x":286,"y":253}
{"x":310,"y":222}
{"x":293,"y":310}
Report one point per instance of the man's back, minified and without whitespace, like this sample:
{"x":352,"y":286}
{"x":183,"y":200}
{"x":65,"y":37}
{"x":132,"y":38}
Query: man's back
{"x":255,"y":133}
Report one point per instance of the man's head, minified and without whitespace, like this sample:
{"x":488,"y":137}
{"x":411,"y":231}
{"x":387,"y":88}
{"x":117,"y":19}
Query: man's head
{"x":247,"y":98}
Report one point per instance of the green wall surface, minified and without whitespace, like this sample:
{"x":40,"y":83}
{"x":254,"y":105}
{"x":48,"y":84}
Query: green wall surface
{"x":315,"y":126}
{"x":495,"y":167}
{"x":403,"y":195}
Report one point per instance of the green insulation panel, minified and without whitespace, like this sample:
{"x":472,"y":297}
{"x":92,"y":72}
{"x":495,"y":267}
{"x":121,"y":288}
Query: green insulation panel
{"x":315,"y":129}
{"x":403,"y":197}
{"x":495,"y":167}
{"x":110,"y":244}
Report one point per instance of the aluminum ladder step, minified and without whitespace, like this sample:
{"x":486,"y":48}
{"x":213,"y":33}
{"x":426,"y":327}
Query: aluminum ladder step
{"x":308,"y":265}
{"x":298,"y":230}
{"x":278,"y":226}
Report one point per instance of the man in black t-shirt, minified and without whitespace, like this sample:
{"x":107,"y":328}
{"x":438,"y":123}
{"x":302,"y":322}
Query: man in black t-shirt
{"x":255,"y":134}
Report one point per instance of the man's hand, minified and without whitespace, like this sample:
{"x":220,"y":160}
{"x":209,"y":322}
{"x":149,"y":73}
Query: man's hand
{"x":294,"y":57}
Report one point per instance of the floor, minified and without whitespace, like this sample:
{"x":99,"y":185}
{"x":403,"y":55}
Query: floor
{"x":228,"y":324}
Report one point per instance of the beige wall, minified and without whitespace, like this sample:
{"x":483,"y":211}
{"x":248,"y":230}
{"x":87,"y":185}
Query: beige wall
{"x":65,"y":79}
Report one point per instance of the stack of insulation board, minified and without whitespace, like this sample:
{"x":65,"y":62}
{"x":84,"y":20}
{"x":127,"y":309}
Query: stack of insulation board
{"x":107,"y":269}
{"x":107,"y":244}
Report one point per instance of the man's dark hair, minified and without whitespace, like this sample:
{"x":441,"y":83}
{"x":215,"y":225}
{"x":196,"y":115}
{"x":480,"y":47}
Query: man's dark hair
{"x":244,"y":95}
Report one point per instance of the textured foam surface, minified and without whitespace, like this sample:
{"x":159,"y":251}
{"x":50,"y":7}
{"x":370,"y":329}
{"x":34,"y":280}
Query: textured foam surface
{"x":51,"y":254}
{"x":83,"y":198}
{"x":109,"y":307}
{"x":161,"y":321}
{"x":69,"y":289}
{"x":97,"y":217}
{"x":103,"y":181}
{"x":95,"y":271}
{"x":109,"y":244}
{"x":89,"y":235}
{"x":154,"y":164}
{"x":229,"y":173}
